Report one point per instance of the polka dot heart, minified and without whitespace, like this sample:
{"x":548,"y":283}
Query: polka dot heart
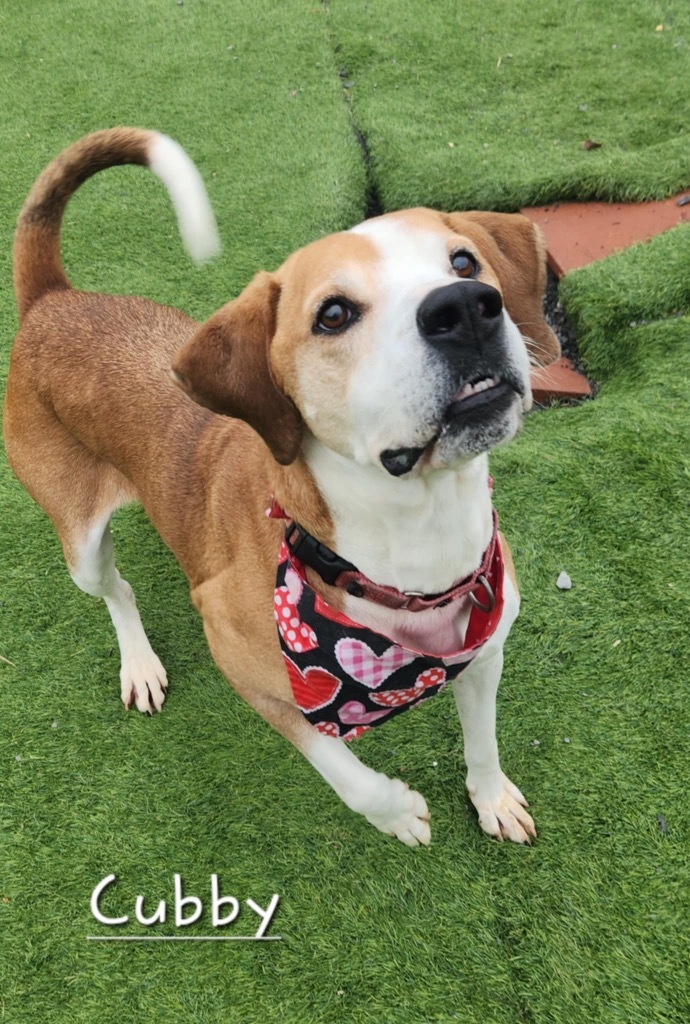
{"x":297,"y":635}
{"x":396,"y":698}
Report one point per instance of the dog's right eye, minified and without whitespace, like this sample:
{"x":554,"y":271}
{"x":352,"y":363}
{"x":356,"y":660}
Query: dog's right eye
{"x":334,"y":316}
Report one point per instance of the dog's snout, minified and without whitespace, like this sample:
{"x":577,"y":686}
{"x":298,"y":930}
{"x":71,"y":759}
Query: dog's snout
{"x":457,"y":307}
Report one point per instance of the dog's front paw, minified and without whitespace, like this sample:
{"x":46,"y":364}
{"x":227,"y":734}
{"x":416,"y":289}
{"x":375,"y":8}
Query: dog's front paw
{"x":143,"y":682}
{"x":502,"y":814}
{"x":403,"y":813}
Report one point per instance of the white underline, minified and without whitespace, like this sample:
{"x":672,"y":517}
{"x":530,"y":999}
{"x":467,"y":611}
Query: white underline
{"x":184,"y":938}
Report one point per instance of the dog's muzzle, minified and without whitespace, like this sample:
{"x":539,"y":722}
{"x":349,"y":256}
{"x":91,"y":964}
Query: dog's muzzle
{"x":463,"y":325}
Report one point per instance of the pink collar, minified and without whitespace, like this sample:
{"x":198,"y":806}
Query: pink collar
{"x":339,"y":573}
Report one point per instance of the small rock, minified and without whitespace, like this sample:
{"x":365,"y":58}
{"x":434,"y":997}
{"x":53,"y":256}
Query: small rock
{"x":536,"y":743}
{"x":662,"y":823}
{"x":564,"y":581}
{"x":566,"y":739}
{"x":53,"y":725}
{"x":434,"y":764}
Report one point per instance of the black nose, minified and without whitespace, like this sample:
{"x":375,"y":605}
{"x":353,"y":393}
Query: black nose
{"x":449,"y":312}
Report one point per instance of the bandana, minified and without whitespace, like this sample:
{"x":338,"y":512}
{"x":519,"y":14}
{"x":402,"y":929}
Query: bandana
{"x":346,"y":677}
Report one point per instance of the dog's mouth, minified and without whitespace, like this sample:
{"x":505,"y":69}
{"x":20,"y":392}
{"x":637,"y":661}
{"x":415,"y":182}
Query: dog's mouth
{"x":477,"y":401}
{"x":480,"y":395}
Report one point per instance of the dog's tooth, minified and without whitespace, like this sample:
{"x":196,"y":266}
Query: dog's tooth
{"x":473,"y":389}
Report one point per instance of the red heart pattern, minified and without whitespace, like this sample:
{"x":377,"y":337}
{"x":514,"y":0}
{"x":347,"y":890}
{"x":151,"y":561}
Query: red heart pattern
{"x":342,"y":687}
{"x":314,"y":688}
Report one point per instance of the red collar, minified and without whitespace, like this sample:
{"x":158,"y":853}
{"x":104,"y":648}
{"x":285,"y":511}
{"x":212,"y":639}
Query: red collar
{"x":339,"y":573}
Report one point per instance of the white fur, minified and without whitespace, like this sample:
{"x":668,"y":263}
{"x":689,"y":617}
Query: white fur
{"x":499,"y":804}
{"x":389,"y":804}
{"x":419,"y":533}
{"x":197,"y":224}
{"x":143,"y":680}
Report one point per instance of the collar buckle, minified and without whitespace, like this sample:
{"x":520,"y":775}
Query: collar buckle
{"x":302,"y":545}
{"x":489,"y":606}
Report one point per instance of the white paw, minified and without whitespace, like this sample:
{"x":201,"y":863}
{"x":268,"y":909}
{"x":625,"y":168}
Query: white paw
{"x":503,"y":815}
{"x":143,"y":682}
{"x":403,"y":813}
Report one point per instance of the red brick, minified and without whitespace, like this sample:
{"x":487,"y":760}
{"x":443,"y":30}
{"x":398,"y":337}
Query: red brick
{"x":579,"y":233}
{"x":558,"y":381}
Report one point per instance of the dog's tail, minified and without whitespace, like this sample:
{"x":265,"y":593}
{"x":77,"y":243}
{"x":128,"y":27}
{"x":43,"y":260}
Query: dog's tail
{"x":37,"y":264}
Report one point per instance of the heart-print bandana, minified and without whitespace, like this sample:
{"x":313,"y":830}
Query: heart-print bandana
{"x":347,"y":678}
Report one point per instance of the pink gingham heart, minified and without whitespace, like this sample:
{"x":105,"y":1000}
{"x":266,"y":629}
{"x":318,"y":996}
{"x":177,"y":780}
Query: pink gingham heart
{"x":360,"y":662}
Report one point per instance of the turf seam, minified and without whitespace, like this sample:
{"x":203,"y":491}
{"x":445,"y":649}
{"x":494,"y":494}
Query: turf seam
{"x":373,"y":203}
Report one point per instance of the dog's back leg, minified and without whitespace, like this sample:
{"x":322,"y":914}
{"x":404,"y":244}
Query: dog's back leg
{"x":80,"y":492}
{"x":143,"y":680}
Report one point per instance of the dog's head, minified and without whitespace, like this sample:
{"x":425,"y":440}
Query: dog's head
{"x":404,"y":343}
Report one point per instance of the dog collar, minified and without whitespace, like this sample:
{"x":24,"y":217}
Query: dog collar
{"x":338,"y":572}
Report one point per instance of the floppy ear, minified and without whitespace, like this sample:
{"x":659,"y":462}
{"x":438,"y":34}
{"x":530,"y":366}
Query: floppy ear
{"x":519,"y":260}
{"x":225,"y":367}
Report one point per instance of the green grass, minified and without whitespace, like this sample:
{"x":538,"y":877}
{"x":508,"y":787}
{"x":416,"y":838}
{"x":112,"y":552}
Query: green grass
{"x":590,"y":924}
{"x":488,"y":104}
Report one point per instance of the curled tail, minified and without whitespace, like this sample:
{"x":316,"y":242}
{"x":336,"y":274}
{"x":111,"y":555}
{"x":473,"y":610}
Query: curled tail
{"x":37,"y":264}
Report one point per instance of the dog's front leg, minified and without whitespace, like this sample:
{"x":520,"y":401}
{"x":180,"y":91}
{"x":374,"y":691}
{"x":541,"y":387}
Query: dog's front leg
{"x":500,"y":805}
{"x":387,"y":803}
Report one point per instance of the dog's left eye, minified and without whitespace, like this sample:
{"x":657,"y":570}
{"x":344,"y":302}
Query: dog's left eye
{"x":334,"y":316}
{"x":464,"y":264}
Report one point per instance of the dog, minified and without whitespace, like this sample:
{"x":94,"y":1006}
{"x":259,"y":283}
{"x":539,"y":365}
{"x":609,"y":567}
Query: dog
{"x":326,"y":488}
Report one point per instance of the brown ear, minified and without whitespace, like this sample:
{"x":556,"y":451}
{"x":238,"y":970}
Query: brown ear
{"x":519,"y":260}
{"x":225,"y":366}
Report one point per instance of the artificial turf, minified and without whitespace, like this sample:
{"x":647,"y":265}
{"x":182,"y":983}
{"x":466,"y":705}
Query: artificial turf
{"x":589,"y":924}
{"x":488,"y":105}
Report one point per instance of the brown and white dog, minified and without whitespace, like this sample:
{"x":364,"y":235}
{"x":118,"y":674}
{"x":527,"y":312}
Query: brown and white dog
{"x":360,"y":387}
